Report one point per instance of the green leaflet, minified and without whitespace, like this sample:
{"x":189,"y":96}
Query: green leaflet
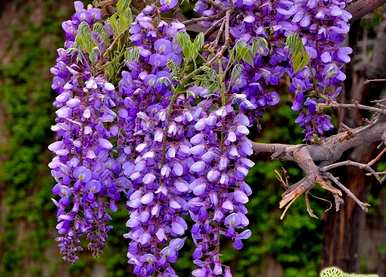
{"x":236,"y":72}
{"x":121,"y":20}
{"x":100,"y":30}
{"x":260,"y":46}
{"x":299,"y":55}
{"x":114,"y":66}
{"x":198,"y":43}
{"x":132,"y":54}
{"x":243,"y":52}
{"x":175,"y":70}
{"x":84,"y":39}
{"x":94,"y":55}
{"x":208,"y":78}
{"x":123,"y":5}
{"x":190,"y":49}
{"x":117,"y":51}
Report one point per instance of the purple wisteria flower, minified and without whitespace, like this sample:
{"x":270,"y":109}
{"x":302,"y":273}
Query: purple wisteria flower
{"x":83,"y":166}
{"x":219,"y":168}
{"x":178,"y":153}
{"x":167,"y":5}
{"x":322,"y":26}
{"x":157,"y":151}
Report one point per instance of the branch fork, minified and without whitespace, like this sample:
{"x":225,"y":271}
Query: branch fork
{"x":325,"y":154}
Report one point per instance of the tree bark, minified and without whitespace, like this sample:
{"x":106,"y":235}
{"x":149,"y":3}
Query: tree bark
{"x":342,"y":231}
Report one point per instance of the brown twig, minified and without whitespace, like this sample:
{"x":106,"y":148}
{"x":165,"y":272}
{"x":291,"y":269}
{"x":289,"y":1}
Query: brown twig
{"x":377,"y":158}
{"x":203,"y":18}
{"x":218,"y":55}
{"x":356,"y":164}
{"x":361,"y":204}
{"x":374,"y":80}
{"x":354,"y":106}
{"x":358,"y":9}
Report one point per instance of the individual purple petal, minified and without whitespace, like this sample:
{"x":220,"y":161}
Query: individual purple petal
{"x":167,"y":5}
{"x":104,"y":143}
{"x":198,"y":167}
{"x":147,"y":198}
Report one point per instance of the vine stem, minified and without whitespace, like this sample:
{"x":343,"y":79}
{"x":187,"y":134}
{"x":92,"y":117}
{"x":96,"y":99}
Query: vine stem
{"x":203,"y":18}
{"x":218,"y":55}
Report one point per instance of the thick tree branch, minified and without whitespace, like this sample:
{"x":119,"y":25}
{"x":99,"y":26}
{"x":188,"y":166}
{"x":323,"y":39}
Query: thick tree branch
{"x":332,"y":148}
{"x":326,"y":153}
{"x":360,"y":8}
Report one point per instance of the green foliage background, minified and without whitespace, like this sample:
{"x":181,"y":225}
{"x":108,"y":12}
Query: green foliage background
{"x":27,"y":226}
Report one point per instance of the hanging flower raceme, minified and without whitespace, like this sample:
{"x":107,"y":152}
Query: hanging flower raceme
{"x":254,"y":24}
{"x":83,"y":167}
{"x":322,"y":26}
{"x":219,"y":150}
{"x":156,"y":162}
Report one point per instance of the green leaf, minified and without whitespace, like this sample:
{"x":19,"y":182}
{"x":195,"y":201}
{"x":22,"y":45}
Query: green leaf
{"x":122,"y":6}
{"x":197,"y":45}
{"x":299,"y":55}
{"x":183,"y":39}
{"x":114,"y":22}
{"x":121,"y":20}
{"x":94,"y":55}
{"x":244,"y":52}
{"x":132,"y":54}
{"x":199,"y":41}
{"x":113,"y":67}
{"x":260,"y":46}
{"x":84,"y":39}
{"x":98,"y":28}
{"x":208,"y":79}
{"x":236,"y":72}
{"x":173,"y":68}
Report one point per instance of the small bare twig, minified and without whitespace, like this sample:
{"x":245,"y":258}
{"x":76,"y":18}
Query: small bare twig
{"x":361,"y":204}
{"x":227,"y":39}
{"x":203,"y":18}
{"x":219,"y":54}
{"x":356,"y":164}
{"x":353,"y":106}
{"x":308,"y":206}
{"x":324,"y":200}
{"x":219,"y":34}
{"x":213,"y":27}
{"x":374,"y":80}
{"x":377,"y":158}
{"x":283,"y":181}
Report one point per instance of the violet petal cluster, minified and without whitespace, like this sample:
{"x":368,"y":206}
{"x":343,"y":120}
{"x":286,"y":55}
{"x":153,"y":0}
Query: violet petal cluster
{"x":156,"y":148}
{"x":322,"y":26}
{"x":220,"y":150}
{"x":84,"y":167}
{"x":179,"y":154}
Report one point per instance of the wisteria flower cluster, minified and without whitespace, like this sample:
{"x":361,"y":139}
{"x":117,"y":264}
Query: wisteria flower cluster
{"x":147,"y":117}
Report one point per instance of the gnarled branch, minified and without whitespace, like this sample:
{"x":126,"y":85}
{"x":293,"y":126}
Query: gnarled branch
{"x":315,"y":159}
{"x":360,"y":8}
